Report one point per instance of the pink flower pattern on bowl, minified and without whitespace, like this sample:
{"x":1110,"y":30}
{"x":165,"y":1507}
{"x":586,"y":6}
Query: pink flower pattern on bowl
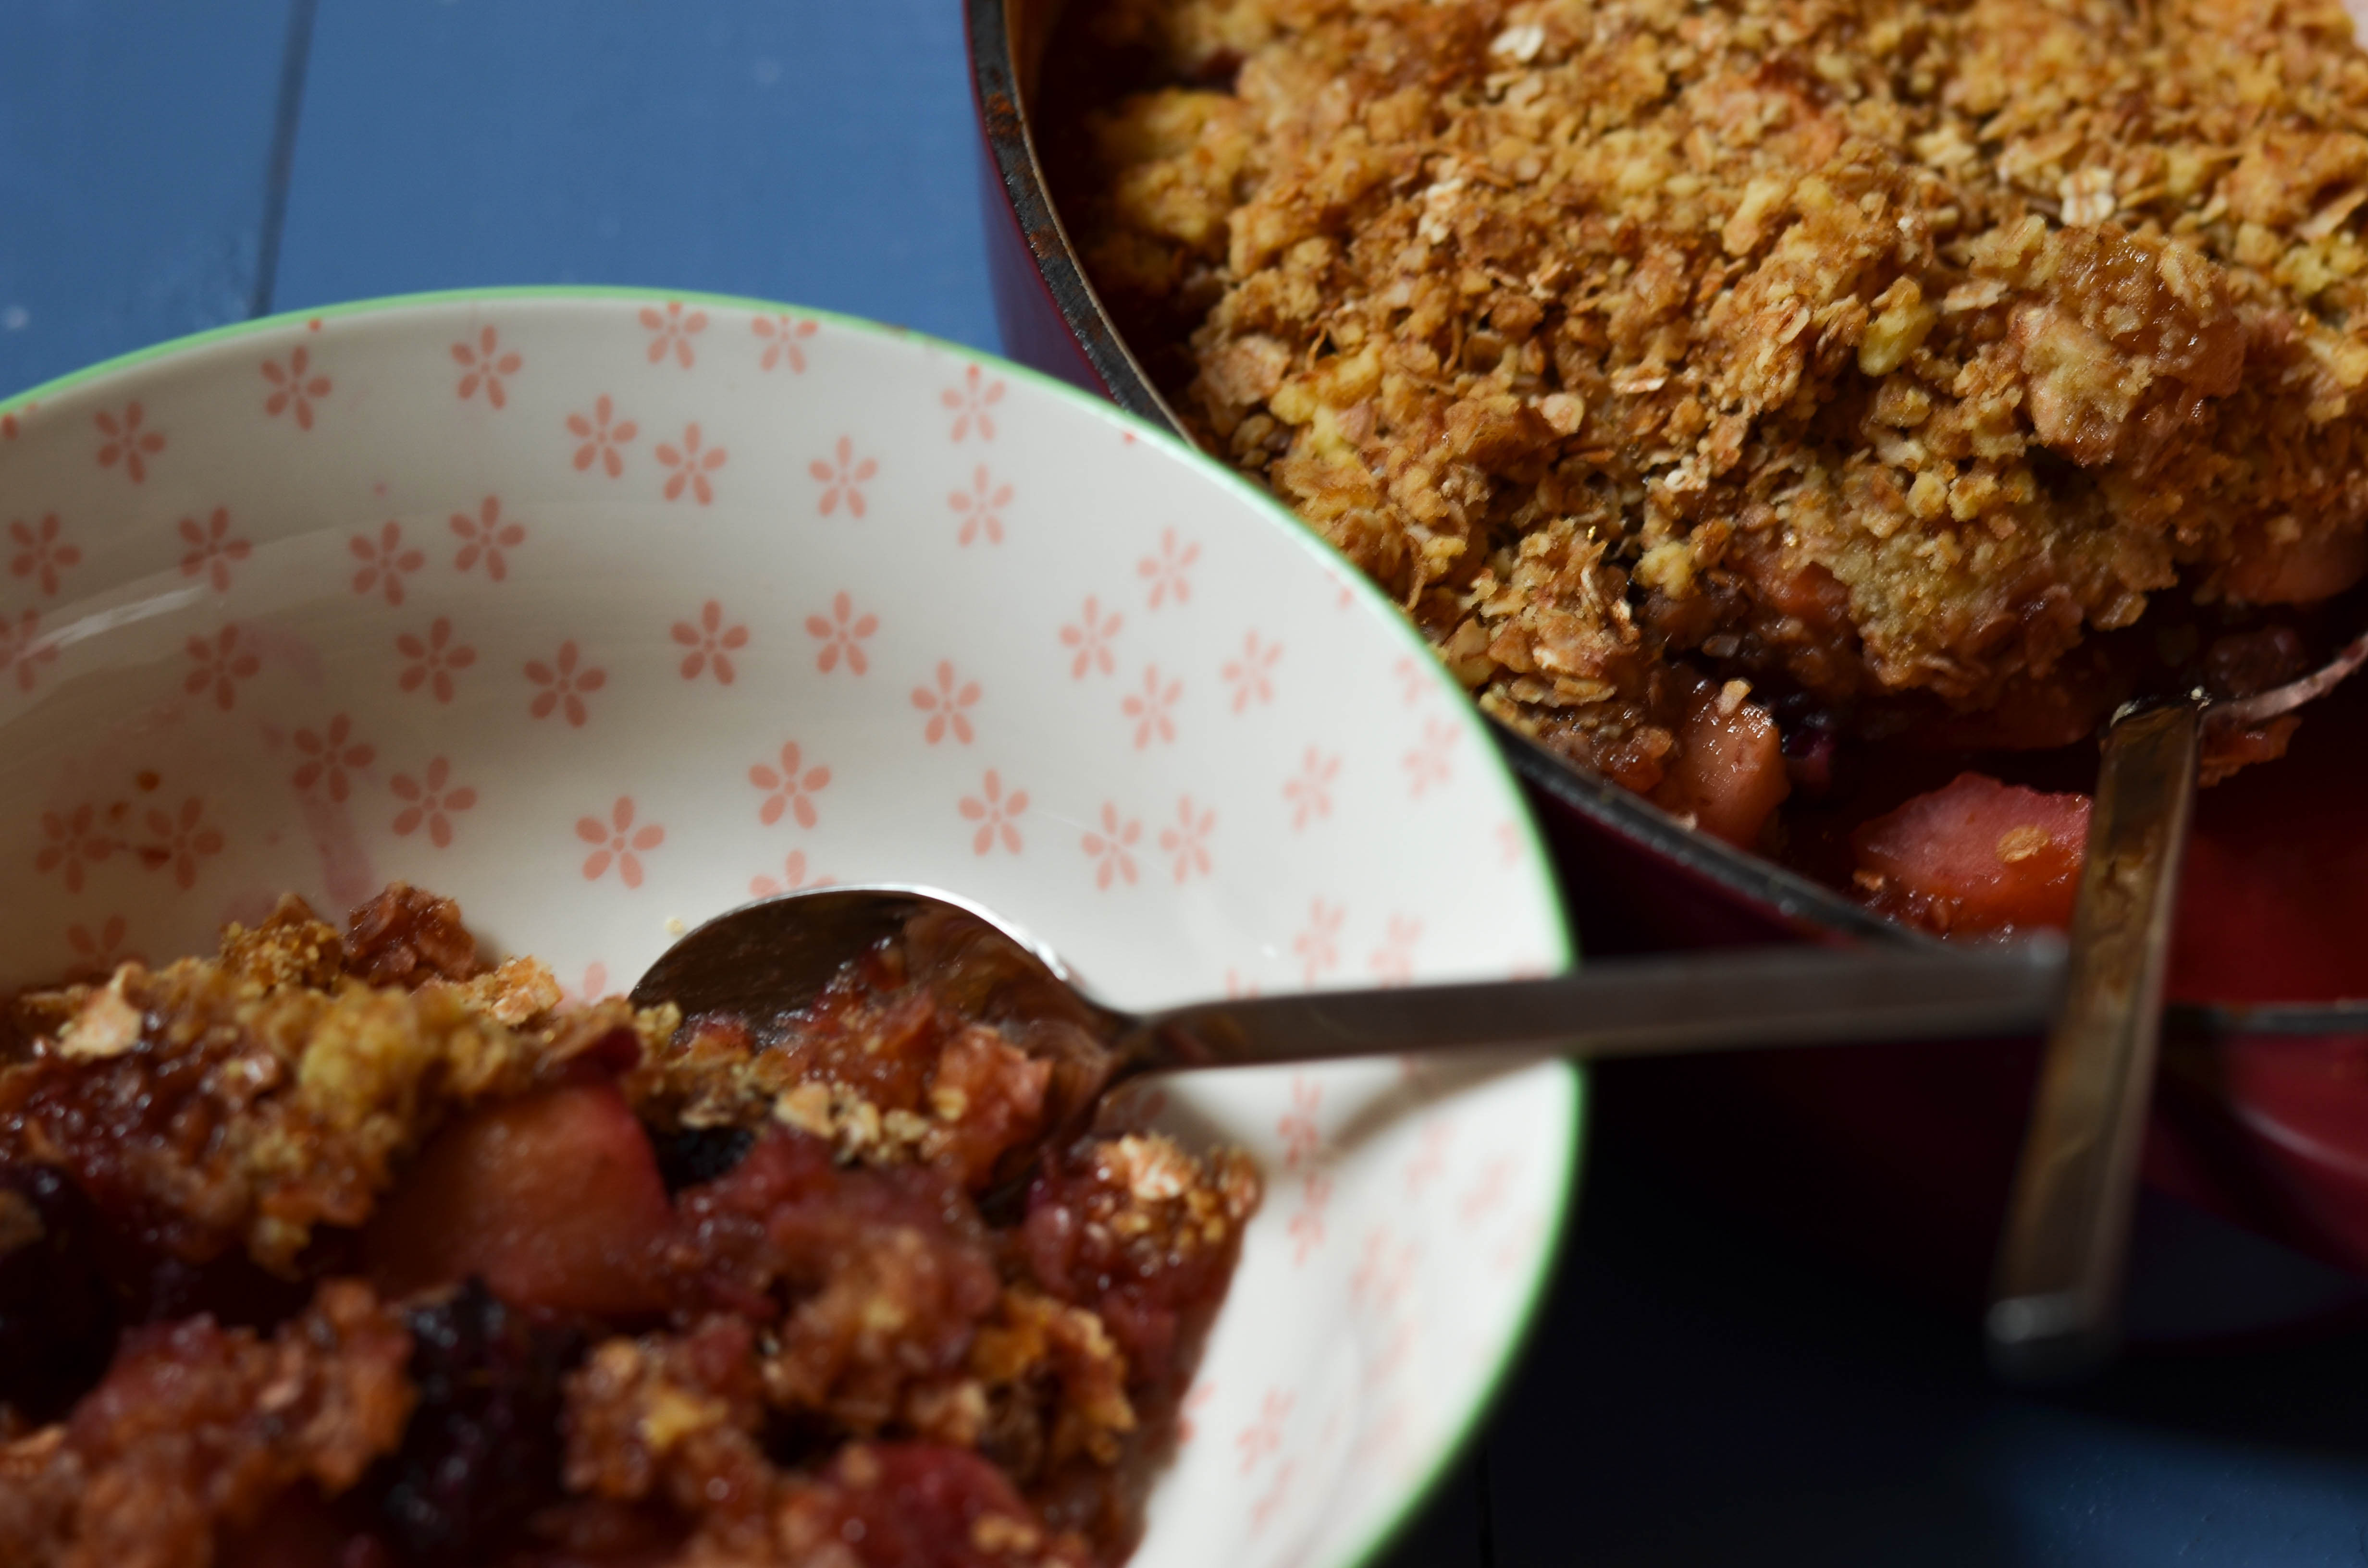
{"x":223,"y":660}
{"x":843,"y":476}
{"x":601,"y":438}
{"x":981,"y":508}
{"x":212,"y":548}
{"x":996,"y":813}
{"x":793,"y":876}
{"x":842,"y":633}
{"x":1186,"y":843}
{"x":294,"y":385}
{"x":958,"y":701}
{"x":179,"y":841}
{"x":1251,"y":674}
{"x":973,"y":403}
{"x":594,"y":986}
{"x":947,"y":703}
{"x":1090,"y":635}
{"x":1111,"y":847}
{"x":1307,"y":1226}
{"x":1393,"y":962}
{"x":672,"y":330}
{"x":386,"y":561}
{"x":1309,"y":790}
{"x":97,"y":954}
{"x":1318,"y":945}
{"x":1296,"y":1130}
{"x":690,"y":466}
{"x":618,"y":841}
{"x":1262,"y":1438}
{"x":128,"y":440}
{"x":1427,"y":761}
{"x":484,"y":364}
{"x":432,"y":799}
{"x":1153,"y":708}
{"x":331,"y":758}
{"x":73,"y":843}
{"x":40,"y":555}
{"x":433,"y":660}
{"x":1414,"y":678}
{"x":790,"y":789}
{"x":782,"y":336}
{"x":711,"y":641}
{"x":23,"y":650}
{"x":486,"y":537}
{"x":1168,"y":573}
{"x":564,"y":685}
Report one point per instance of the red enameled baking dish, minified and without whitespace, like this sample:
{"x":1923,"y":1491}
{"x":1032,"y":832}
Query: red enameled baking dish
{"x":2262,"y":1115}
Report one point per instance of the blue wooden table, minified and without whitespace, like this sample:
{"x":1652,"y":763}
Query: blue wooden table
{"x":1700,"y":1392}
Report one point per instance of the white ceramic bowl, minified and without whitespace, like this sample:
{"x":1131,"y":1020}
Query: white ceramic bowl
{"x":603,"y":612}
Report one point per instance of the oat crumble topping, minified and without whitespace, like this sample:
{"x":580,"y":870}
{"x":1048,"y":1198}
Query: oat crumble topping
{"x":1878,"y":354}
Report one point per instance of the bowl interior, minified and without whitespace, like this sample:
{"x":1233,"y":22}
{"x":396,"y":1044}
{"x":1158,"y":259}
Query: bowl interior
{"x":603,"y":613}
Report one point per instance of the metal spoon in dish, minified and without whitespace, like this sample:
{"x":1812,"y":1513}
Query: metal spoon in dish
{"x":766,"y":959}
{"x":2055,"y":1295}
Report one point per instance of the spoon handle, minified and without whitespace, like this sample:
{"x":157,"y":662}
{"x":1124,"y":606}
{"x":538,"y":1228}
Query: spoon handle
{"x":1638,"y":1007}
{"x":2055,"y":1301}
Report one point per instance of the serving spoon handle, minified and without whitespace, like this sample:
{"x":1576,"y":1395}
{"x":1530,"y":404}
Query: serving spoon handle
{"x":1631,"y":1007}
{"x":774,"y":956}
{"x":2055,"y":1297}
{"x":770,"y":958}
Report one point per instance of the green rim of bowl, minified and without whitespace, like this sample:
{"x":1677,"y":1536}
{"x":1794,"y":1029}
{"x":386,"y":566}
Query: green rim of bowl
{"x":1525,"y":1321}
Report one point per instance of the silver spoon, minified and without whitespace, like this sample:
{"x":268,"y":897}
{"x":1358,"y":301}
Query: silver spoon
{"x":774,"y":956}
{"x":2054,"y":1311}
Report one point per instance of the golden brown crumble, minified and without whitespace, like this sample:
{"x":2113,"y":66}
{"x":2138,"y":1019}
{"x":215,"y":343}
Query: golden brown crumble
{"x":1878,"y":351}
{"x":246,"y":1101}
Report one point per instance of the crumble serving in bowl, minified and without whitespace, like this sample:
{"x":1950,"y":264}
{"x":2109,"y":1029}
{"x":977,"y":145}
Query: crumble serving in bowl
{"x":1723,"y":386}
{"x":717,"y":598}
{"x":356,"y":1249}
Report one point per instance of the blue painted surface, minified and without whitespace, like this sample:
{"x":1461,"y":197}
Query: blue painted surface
{"x":817,"y":151}
{"x":134,"y":150}
{"x":1701,"y":1394}
{"x":1704,"y":1392}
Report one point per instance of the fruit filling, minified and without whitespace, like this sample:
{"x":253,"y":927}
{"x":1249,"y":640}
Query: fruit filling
{"x":348,"y":1249}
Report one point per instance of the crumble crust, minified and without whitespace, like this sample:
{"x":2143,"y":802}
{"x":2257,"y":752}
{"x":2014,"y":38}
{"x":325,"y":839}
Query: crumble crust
{"x":1873,"y":354}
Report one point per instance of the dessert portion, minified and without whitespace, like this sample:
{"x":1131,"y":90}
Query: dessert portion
{"x":350,"y":1250}
{"x":1731,"y":391}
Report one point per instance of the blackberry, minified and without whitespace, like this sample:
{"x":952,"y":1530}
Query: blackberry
{"x":697,"y":1155}
{"x":58,"y":1317}
{"x":484,"y":1448}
